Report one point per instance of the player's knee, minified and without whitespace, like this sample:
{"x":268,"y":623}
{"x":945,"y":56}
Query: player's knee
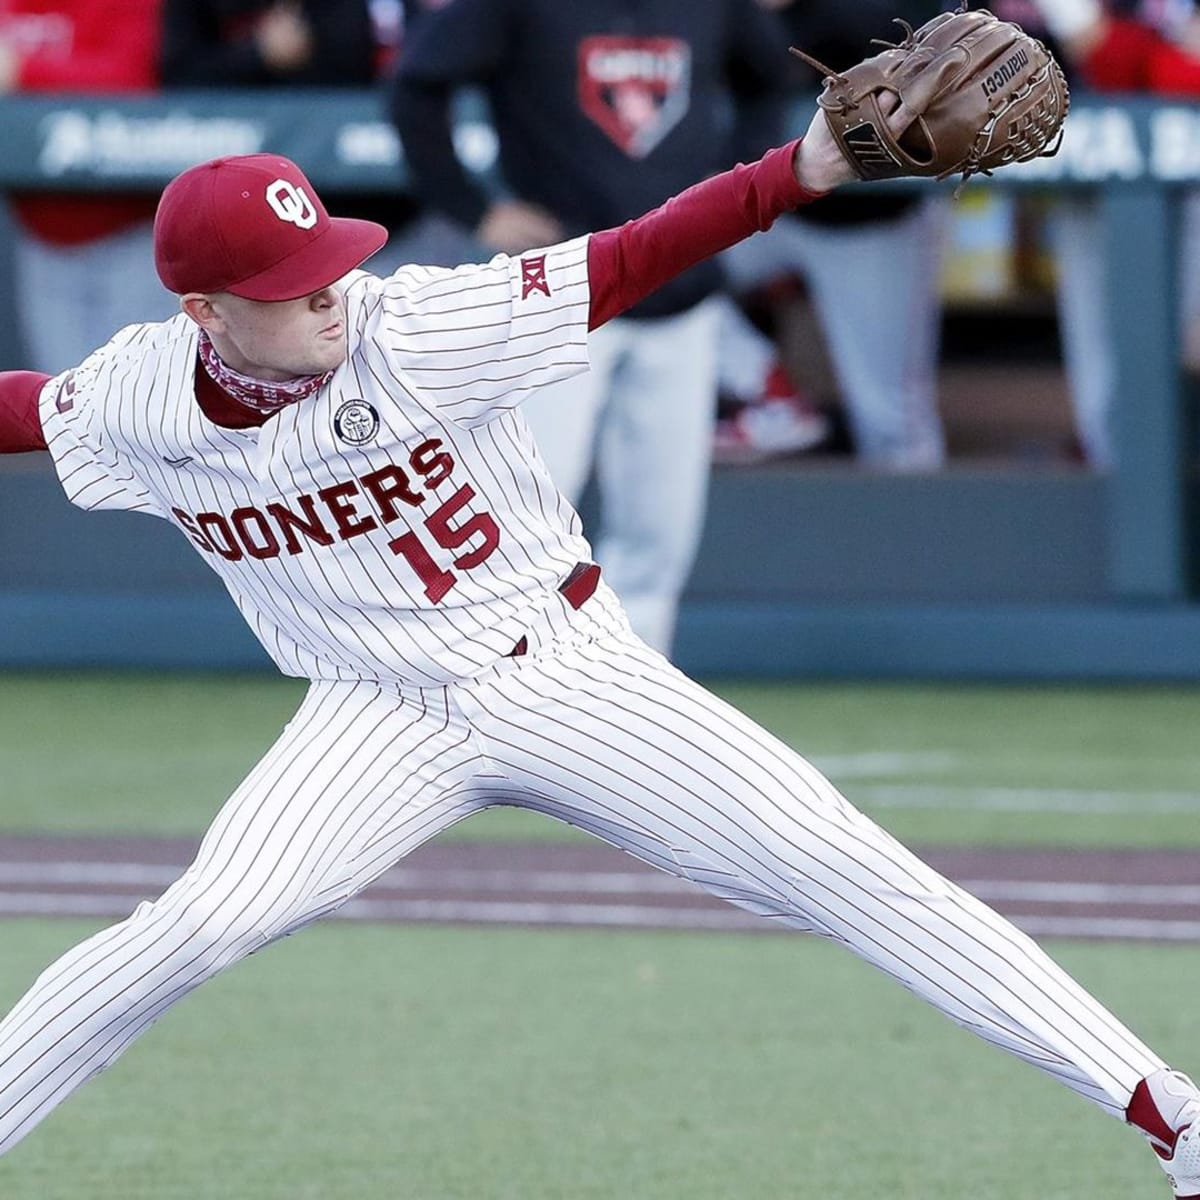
{"x":205,"y":932}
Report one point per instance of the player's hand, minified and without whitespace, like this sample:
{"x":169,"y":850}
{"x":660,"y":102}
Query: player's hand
{"x":819,"y":165}
{"x":284,"y":38}
{"x":512,"y":227}
{"x":820,"y":159}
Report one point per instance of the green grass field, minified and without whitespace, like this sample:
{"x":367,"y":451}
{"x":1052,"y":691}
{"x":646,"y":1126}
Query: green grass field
{"x":1014,"y":765}
{"x":355,"y":1062}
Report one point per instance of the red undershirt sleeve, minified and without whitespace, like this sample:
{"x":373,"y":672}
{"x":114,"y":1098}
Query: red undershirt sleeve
{"x":20,"y":426}
{"x":627,"y":264}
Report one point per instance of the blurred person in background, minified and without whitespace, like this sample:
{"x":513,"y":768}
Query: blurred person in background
{"x":1144,"y":46}
{"x":872,"y":260}
{"x":245,"y":43}
{"x":288,"y":43}
{"x":1076,"y":234}
{"x":1122,"y":46}
{"x":605,"y":108}
{"x":81,"y":262}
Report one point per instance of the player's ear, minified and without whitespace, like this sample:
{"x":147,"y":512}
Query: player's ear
{"x":201,"y":310}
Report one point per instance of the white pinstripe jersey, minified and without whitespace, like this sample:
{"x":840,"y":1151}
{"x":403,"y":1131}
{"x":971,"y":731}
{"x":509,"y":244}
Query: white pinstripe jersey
{"x":399,"y":523}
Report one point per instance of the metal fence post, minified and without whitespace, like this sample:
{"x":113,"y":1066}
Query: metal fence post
{"x":1147,"y":558}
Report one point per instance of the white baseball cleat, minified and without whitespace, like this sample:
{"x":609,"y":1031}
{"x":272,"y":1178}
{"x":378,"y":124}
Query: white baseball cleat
{"x":1183,"y":1167}
{"x":1166,"y":1107}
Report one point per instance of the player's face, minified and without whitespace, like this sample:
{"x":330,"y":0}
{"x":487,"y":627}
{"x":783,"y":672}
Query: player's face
{"x":279,"y":339}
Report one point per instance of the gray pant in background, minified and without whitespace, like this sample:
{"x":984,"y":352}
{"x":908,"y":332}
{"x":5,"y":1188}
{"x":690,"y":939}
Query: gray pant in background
{"x":875,"y":291}
{"x":72,"y":299}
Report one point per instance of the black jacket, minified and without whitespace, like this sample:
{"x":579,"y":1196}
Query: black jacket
{"x":210,"y":43}
{"x":604,"y":108}
{"x":207,"y":42}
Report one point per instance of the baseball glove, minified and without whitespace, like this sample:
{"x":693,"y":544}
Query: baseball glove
{"x":965,"y":93}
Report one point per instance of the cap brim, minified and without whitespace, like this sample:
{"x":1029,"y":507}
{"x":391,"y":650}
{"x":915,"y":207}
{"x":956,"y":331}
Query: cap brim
{"x":346,"y":244}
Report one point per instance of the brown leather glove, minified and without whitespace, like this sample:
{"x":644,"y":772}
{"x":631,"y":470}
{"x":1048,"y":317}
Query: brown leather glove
{"x":965,"y":93}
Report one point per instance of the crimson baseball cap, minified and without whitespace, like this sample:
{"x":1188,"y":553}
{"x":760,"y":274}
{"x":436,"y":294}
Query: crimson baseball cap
{"x":253,"y":225}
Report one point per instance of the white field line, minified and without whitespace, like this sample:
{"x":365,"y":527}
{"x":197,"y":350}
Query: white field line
{"x":599,"y":883}
{"x":587,"y":915}
{"x":877,"y":764}
{"x":1116,"y":928}
{"x":1169,"y":894}
{"x":1003,"y":799}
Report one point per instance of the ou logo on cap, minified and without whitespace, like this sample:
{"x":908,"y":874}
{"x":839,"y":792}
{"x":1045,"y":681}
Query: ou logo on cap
{"x":291,"y":203}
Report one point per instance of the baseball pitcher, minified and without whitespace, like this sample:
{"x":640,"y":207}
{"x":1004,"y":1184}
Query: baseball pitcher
{"x":348,"y":453}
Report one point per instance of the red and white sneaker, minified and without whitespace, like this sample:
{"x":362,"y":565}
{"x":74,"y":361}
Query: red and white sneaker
{"x":1166,"y":1108}
{"x":781,"y":421}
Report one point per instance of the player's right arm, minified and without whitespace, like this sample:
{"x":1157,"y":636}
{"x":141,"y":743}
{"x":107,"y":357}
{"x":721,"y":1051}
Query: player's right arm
{"x":467,"y":42}
{"x":444,"y":49}
{"x":20,"y":425}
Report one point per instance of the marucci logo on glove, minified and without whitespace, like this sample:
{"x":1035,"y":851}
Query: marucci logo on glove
{"x":1006,"y":74}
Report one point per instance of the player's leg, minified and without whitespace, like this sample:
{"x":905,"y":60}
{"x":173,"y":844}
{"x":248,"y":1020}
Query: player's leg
{"x":358,"y":778}
{"x":565,"y":417}
{"x":611,"y":738}
{"x":1077,"y":230}
{"x":653,"y":463}
{"x":875,"y":289}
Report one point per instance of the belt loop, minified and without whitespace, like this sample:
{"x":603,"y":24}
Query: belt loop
{"x":577,"y":589}
{"x":580,"y":585}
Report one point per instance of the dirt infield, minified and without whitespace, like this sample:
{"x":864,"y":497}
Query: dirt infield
{"x":1119,"y":894}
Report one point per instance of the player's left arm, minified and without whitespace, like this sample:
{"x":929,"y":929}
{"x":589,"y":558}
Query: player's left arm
{"x":627,"y":264}
{"x":477,"y":340}
{"x":20,"y":425}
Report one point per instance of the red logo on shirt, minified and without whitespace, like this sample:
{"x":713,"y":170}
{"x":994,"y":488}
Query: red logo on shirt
{"x":65,"y":400}
{"x":637,"y":89}
{"x":533,"y":277}
{"x":359,"y":506}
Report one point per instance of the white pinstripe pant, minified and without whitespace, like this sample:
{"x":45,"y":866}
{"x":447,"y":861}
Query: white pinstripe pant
{"x":606,"y":735}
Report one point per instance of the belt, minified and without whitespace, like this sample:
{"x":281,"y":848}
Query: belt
{"x":577,"y":589}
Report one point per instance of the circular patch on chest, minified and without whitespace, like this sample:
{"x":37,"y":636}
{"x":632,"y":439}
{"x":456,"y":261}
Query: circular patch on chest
{"x":356,"y":422}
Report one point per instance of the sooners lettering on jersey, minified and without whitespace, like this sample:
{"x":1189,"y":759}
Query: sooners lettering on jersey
{"x":396,"y":524}
{"x":637,"y":89}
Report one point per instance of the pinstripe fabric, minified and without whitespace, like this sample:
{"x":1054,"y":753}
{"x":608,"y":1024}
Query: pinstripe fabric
{"x":443,"y":359}
{"x":602,"y":733}
{"x":358,"y":766}
{"x":614,"y":739}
